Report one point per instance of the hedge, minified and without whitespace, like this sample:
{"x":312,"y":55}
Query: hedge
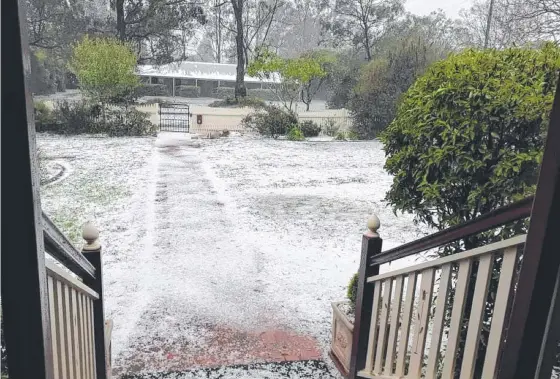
{"x":187,"y":91}
{"x":153,"y":90}
{"x":227,"y":92}
{"x":262,"y":93}
{"x":224,"y":92}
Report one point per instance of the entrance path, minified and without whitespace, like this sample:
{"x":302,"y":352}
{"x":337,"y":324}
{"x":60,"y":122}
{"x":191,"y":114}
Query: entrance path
{"x":222,"y":257}
{"x":200,"y":279}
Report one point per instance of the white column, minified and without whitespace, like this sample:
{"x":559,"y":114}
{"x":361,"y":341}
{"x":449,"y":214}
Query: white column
{"x":173,"y":91}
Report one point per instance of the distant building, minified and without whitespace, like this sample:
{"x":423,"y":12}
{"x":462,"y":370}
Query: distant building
{"x":206,"y":76}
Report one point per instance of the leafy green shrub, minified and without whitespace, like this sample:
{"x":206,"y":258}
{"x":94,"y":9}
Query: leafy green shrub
{"x":270,"y":121}
{"x":83,"y":117}
{"x":263,"y":94}
{"x":43,"y":115}
{"x":72,"y":118}
{"x":128,"y":122}
{"x":153,"y":90}
{"x":381,"y":84}
{"x":187,"y":91}
{"x":468,"y":135}
{"x":347,"y":135}
{"x":295,"y":134}
{"x":330,"y":128}
{"x":352,"y":290}
{"x":309,"y":128}
{"x":224,"y":93}
{"x":105,"y":68}
{"x":240,"y":103}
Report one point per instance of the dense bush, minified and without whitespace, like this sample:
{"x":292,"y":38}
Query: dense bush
{"x":68,"y":117}
{"x":43,"y":114}
{"x":343,"y":77}
{"x":105,"y":69}
{"x":187,"y":91}
{"x":270,"y":121}
{"x":128,"y":122}
{"x":346,"y":135}
{"x":240,"y":103}
{"x":49,"y":72}
{"x":224,"y":93}
{"x":469,"y":135}
{"x":227,"y":92}
{"x":309,"y":128}
{"x":264,"y":94}
{"x":381,"y":84}
{"x":295,"y":134}
{"x":352,"y":290}
{"x":330,"y":127}
{"x":86,"y":118}
{"x":153,"y":90}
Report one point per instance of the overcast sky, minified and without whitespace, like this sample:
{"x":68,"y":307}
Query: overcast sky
{"x":424,"y":7}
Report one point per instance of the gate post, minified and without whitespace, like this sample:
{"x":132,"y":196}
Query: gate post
{"x":371,"y":245}
{"x":92,"y":252}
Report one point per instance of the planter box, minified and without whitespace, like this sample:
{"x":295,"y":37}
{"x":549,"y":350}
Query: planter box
{"x":341,"y":344}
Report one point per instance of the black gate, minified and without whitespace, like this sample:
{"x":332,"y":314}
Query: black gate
{"x":174,"y":117}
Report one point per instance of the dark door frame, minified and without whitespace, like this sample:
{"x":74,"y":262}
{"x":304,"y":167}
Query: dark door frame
{"x":539,"y":270}
{"x":24,"y":288}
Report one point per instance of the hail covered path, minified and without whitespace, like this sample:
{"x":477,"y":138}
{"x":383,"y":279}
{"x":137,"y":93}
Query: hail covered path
{"x":201,"y":279}
{"x":220,"y":253}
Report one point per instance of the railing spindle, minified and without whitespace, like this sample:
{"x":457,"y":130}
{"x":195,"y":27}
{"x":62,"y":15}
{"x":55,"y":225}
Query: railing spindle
{"x":421,"y":328}
{"x":76,"y":334}
{"x":499,"y":315}
{"x":456,"y":318}
{"x":385,"y":307}
{"x":63,"y":342}
{"x":373,"y":331}
{"x":406,"y":317}
{"x":68,"y":324}
{"x":54,"y":336}
{"x":394,"y":326}
{"x":476,"y":315}
{"x":439,"y":315}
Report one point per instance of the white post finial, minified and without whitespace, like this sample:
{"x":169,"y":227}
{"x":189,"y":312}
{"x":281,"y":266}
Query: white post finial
{"x":373,"y":225}
{"x":91,"y":235}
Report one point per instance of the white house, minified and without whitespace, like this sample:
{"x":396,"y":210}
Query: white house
{"x":207,"y":76}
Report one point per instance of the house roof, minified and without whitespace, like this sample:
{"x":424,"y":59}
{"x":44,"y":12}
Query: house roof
{"x":198,"y":70}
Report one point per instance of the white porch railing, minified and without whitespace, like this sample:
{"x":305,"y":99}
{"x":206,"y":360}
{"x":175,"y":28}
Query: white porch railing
{"x":71,"y":314}
{"x":415,"y":330}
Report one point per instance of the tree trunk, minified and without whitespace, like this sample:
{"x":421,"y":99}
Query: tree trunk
{"x":368,"y":48}
{"x":121,"y":25}
{"x":367,"y":42}
{"x":240,"y":90}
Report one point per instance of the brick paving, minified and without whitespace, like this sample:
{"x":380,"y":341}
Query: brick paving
{"x":224,"y":346}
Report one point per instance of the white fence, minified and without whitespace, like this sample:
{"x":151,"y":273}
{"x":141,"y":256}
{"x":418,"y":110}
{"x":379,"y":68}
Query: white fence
{"x":420,"y":336}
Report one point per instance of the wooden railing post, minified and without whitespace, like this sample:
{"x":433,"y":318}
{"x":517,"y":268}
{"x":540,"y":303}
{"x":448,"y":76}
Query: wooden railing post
{"x":371,"y":245}
{"x":92,"y":252}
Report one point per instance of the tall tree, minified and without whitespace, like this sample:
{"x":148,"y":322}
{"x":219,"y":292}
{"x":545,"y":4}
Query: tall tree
{"x":53,"y":25}
{"x":250,"y":26}
{"x":513,"y":23}
{"x":240,"y":89}
{"x":362,"y":22}
{"x":159,"y":29}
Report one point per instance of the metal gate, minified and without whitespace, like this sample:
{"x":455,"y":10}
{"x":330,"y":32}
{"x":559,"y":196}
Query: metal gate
{"x":174,"y":117}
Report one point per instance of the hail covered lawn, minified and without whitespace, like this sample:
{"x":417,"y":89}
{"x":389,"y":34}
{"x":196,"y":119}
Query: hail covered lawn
{"x":212,"y":247}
